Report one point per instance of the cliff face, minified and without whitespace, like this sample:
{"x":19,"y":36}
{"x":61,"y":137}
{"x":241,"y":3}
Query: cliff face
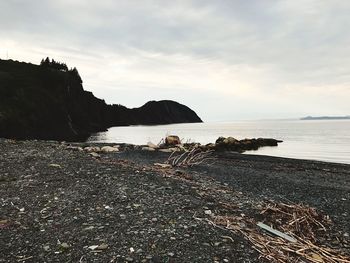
{"x":37,"y":102}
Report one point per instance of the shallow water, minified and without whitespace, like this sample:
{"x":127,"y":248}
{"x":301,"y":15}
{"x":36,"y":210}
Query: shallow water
{"x":324,"y":140}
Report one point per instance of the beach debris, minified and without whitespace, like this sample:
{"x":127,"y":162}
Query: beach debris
{"x":303,"y":228}
{"x":55,"y":165}
{"x":280,"y":250}
{"x":170,"y":150}
{"x":276,"y":232}
{"x":146,"y":148}
{"x":152,"y":145}
{"x":163,"y":165}
{"x":301,"y":220}
{"x":190,"y":158}
{"x":23,"y":258}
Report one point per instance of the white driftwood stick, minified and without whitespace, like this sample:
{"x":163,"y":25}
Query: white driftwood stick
{"x":276,"y":232}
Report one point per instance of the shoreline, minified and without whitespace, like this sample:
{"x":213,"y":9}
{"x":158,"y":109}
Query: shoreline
{"x":58,"y":203}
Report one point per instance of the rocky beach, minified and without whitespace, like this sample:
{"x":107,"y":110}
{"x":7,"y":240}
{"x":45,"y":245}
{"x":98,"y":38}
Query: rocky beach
{"x":64,"y":202}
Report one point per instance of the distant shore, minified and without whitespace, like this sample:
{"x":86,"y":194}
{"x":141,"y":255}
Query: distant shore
{"x":60,"y":203}
{"x":326,"y":118}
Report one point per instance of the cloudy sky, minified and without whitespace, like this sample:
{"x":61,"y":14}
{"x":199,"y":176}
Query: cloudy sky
{"x":226,"y":59}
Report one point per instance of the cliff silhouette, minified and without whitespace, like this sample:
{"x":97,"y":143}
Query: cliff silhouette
{"x":48,"y":102}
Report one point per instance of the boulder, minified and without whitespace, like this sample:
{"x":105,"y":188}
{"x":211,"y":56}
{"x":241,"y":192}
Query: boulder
{"x":92,"y":149}
{"x":231,"y":144}
{"x":230,"y":140}
{"x":109,"y":149}
{"x":220,"y":140}
{"x":172,"y":140}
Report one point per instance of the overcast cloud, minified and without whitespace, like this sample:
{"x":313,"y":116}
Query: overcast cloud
{"x":225,"y":59}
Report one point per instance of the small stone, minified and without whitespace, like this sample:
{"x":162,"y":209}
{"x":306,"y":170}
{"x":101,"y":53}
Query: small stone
{"x":346,"y":234}
{"x":139,"y":251}
{"x":93,"y":247}
{"x":93,"y":154}
{"x":122,"y":216}
{"x":129,"y":259}
{"x":154,"y":219}
{"x":225,"y":260}
{"x":64,"y":245}
{"x":207,"y":212}
{"x":149,"y":257}
{"x":46,"y":248}
{"x":172,"y":238}
{"x":171,"y":254}
{"x":103,"y":246}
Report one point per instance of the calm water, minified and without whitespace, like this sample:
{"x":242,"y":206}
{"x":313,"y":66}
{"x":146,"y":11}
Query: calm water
{"x":325,"y":140}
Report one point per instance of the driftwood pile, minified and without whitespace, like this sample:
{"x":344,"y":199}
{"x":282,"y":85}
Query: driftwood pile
{"x":190,"y":158}
{"x":303,"y":224}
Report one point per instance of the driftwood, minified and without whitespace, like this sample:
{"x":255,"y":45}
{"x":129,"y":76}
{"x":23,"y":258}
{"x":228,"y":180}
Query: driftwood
{"x":190,"y":158}
{"x":302,"y":223}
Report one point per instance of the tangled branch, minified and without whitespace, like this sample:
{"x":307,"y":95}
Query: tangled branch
{"x":190,"y":158}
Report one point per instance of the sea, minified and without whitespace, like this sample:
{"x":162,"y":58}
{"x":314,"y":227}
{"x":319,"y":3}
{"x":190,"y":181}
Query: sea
{"x":322,"y":140}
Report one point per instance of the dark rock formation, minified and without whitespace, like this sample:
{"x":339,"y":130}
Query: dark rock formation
{"x":231,"y":144}
{"x":41,"y":102}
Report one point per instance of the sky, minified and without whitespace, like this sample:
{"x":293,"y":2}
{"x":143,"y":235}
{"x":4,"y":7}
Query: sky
{"x":225,"y":59}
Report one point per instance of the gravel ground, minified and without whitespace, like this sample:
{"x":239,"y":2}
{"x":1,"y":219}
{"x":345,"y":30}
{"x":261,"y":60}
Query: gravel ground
{"x":60,"y":205}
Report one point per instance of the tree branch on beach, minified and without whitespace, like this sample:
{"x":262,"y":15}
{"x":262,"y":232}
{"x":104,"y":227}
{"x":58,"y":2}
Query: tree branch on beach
{"x":190,"y":158}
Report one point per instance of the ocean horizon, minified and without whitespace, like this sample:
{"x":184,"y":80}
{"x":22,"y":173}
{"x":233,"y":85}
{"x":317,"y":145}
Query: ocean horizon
{"x":320,"y":140}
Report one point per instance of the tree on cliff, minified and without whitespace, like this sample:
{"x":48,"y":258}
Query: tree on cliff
{"x":53,"y":64}
{"x":74,"y":72}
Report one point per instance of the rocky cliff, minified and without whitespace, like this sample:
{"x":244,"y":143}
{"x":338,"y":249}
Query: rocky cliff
{"x":38,"y":102}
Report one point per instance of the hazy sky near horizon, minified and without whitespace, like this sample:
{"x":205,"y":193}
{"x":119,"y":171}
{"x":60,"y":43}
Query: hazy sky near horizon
{"x":225,"y":59}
